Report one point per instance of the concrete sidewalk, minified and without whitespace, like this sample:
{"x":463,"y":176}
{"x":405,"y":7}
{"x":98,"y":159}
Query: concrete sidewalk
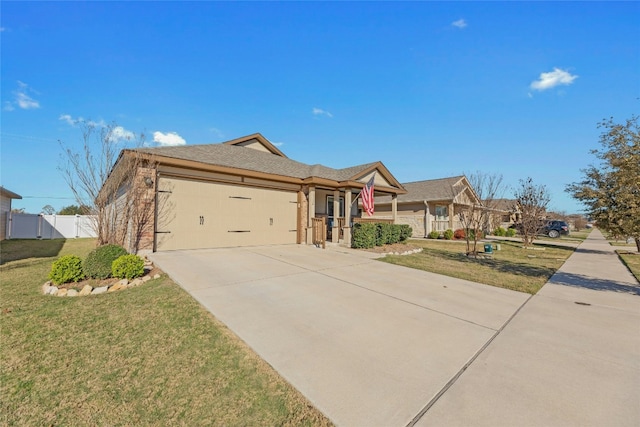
{"x":570,"y":357}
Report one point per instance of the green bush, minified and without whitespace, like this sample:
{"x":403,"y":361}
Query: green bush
{"x":448,"y":234}
{"x":98,"y":264}
{"x":128,"y":267}
{"x":368,"y":235}
{"x":383,"y":233}
{"x":405,"y":231}
{"x":434,"y":234}
{"x":66,"y":269}
{"x":500,"y":232}
{"x":364,"y":235}
{"x":511,"y":232}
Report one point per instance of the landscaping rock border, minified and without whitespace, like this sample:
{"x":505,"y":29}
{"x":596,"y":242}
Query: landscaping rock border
{"x":48,"y":288}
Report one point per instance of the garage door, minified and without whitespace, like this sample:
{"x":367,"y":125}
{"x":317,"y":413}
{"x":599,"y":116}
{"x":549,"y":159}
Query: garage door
{"x":195,"y":214}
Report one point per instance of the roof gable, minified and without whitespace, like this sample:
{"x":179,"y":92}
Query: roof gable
{"x":456,"y":189}
{"x":256,"y":142}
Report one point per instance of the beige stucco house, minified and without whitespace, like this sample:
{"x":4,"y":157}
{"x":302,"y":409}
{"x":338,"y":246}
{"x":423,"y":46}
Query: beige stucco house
{"x":5,"y":208}
{"x":430,"y":205}
{"x":247,"y":192}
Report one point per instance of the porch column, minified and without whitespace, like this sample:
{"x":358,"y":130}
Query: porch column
{"x":347,"y":217}
{"x":451,"y":213}
{"x":335,"y":230}
{"x":311,"y":212}
{"x":427,"y":219}
{"x":394,"y":207}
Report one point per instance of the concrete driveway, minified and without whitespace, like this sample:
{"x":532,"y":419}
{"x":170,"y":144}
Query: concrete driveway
{"x":368,"y":343}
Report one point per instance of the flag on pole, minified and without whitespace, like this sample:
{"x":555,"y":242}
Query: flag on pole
{"x":367,"y":196}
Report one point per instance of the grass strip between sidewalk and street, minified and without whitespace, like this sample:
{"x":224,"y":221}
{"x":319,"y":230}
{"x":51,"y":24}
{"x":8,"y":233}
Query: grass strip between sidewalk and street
{"x":632,"y":261}
{"x":512,"y":267}
{"x":150,"y":355}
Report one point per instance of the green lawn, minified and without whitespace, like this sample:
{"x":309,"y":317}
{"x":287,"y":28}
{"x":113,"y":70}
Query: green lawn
{"x":632,"y":261}
{"x":150,"y":355}
{"x":513,"y":267}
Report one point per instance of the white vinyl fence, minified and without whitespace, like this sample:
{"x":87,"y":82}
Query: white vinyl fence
{"x":34,"y":226}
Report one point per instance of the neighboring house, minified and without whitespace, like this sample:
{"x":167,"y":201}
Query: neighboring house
{"x":246,"y":192}
{"x":507,"y":213}
{"x":431,"y":205}
{"x":5,"y":208}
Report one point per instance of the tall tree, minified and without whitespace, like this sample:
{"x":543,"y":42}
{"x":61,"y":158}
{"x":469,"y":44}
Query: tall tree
{"x":611,"y":189}
{"x":531,"y":201}
{"x":477,"y":216}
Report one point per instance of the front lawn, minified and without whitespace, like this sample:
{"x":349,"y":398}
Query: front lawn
{"x":150,"y":355}
{"x":512,"y":267}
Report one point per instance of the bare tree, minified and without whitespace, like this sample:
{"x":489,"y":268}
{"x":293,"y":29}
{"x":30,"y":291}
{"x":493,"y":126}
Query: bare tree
{"x":111,"y":182}
{"x":477,"y":216}
{"x":532,"y":201}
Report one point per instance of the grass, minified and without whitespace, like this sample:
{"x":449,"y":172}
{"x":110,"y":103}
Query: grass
{"x":515,"y":268}
{"x":632,"y":261}
{"x":150,"y":355}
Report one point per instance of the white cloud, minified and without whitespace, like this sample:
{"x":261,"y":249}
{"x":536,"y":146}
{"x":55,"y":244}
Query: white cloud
{"x":320,"y":112}
{"x":67,"y":118}
{"x":460,"y":23}
{"x":278,"y":144}
{"x":168,"y":139}
{"x":552,"y":79}
{"x":119,"y":133}
{"x":22,"y":98}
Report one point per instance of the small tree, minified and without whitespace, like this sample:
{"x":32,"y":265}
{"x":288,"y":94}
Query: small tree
{"x":105,"y":178}
{"x":611,"y":191}
{"x":531,"y":201}
{"x":477,"y":215}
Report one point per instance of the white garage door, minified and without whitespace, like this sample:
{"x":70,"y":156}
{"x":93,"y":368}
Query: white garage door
{"x":195,"y":214}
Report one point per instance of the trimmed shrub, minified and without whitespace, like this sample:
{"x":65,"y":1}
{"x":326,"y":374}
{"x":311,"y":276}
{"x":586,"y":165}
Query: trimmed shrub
{"x":511,"y":232}
{"x":98,"y":264}
{"x":448,"y":234}
{"x":500,"y":232}
{"x":383,"y":233}
{"x":394,"y":233}
{"x":128,"y":267}
{"x":364,"y":235}
{"x":434,"y":234}
{"x":405,"y":232}
{"x":66,"y":269}
{"x":459,"y":234}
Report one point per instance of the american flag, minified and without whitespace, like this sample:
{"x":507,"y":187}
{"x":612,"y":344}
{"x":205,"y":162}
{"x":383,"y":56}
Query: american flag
{"x":367,"y":196}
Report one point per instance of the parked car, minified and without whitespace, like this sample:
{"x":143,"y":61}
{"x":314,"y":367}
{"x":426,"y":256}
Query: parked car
{"x":555,"y":228}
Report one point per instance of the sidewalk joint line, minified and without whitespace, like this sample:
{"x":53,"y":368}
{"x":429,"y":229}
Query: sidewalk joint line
{"x":452,"y":381}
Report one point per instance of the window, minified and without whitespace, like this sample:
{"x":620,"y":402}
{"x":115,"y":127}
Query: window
{"x":441,"y":213}
{"x":330,"y":207}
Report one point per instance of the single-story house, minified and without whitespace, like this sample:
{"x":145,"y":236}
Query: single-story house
{"x":430,"y":205}
{"x":5,"y":208}
{"x":246,"y":192}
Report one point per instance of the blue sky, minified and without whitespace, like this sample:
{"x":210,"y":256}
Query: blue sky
{"x":432,"y":89}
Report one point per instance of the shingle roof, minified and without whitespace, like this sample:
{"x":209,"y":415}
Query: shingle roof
{"x":431,"y":189}
{"x":254,"y":160}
